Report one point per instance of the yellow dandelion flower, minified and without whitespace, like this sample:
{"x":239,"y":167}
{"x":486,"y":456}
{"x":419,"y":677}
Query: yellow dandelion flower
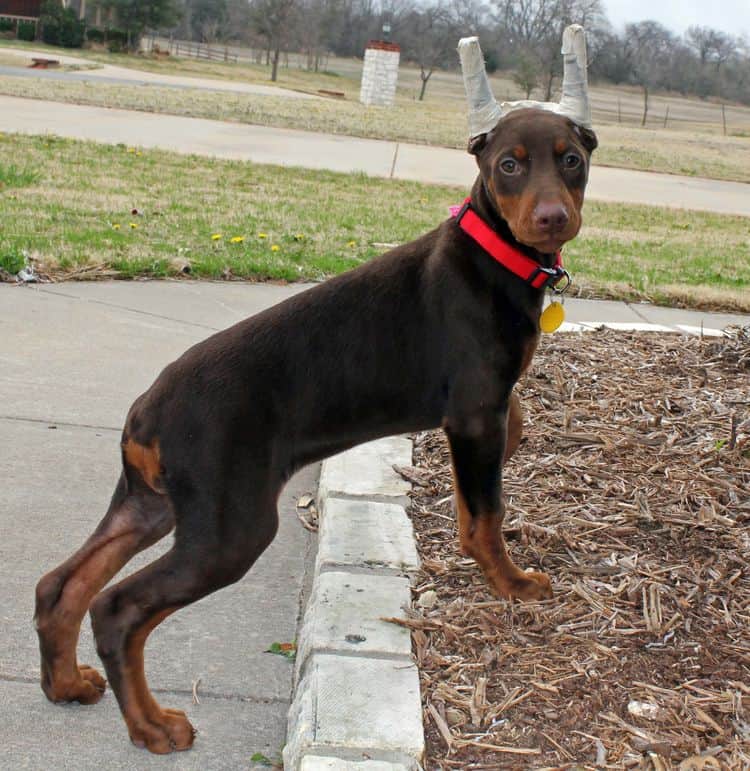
{"x":299,"y":236}
{"x":422,"y":200}
{"x":262,"y":235}
{"x":133,"y":225}
{"x":275,"y":248}
{"x":138,"y":154}
{"x":131,"y":149}
{"x":116,"y":226}
{"x":351,"y":244}
{"x":216,"y":236}
{"x":236,"y":239}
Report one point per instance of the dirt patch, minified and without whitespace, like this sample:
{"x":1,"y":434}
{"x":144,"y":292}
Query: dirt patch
{"x":632,"y":490}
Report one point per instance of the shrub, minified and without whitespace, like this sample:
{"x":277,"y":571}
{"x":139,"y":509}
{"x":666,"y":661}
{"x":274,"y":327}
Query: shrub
{"x":11,"y":259}
{"x":117,"y":40}
{"x":6,"y":25}
{"x":95,"y":35}
{"x":71,"y":29}
{"x":61,"y":26}
{"x":26,"y":30}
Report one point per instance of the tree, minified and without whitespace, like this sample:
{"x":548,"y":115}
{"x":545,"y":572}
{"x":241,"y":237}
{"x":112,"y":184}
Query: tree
{"x":429,"y":37}
{"x":319,"y":24}
{"x":711,"y":45}
{"x":135,"y":16}
{"x":526,"y":74}
{"x":649,"y":46}
{"x":272,"y":19}
{"x":532,"y":29}
{"x":208,"y":19}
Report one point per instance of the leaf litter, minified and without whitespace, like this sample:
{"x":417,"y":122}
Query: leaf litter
{"x":632,"y":490}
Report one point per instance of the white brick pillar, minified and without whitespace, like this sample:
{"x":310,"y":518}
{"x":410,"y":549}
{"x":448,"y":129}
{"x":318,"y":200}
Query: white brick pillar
{"x":380,"y":73}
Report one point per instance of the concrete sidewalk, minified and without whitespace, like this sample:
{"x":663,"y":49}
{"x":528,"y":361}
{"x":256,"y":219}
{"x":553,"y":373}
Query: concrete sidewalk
{"x":74,"y":357}
{"x":70,"y":365}
{"x":397,"y":160}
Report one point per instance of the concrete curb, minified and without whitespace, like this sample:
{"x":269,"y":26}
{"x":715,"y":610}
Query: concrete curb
{"x":357,"y":704}
{"x":646,"y":326}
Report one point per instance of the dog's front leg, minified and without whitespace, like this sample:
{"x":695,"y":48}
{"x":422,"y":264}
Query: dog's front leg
{"x":478,"y":442}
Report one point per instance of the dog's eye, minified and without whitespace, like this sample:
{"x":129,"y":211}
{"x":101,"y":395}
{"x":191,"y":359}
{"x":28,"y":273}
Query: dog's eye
{"x":509,"y":166}
{"x":572,"y":161}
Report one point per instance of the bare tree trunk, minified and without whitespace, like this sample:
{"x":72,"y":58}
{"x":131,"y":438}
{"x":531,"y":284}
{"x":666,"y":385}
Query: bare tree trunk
{"x":645,"y":105}
{"x":550,"y":84}
{"x":276,"y":55}
{"x":425,"y":77}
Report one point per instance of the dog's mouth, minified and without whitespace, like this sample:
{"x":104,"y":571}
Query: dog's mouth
{"x":546,"y":245}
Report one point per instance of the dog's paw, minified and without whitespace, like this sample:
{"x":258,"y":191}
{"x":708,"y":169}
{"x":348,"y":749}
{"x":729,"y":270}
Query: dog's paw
{"x":527,"y":586}
{"x":169,"y":731}
{"x":87,"y":688}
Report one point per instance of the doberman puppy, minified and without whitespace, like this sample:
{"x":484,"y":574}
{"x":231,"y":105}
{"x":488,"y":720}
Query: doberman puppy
{"x":433,"y":333}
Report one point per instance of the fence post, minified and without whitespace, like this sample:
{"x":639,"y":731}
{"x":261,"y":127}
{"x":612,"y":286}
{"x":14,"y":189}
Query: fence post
{"x":724,"y":118}
{"x":666,"y":116}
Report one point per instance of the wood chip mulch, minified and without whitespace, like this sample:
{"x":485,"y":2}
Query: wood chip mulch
{"x":631,"y":489}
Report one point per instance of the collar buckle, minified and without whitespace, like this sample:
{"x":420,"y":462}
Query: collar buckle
{"x":553,"y":277}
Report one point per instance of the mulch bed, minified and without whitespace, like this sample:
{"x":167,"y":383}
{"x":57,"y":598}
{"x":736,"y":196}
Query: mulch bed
{"x":632,"y":490}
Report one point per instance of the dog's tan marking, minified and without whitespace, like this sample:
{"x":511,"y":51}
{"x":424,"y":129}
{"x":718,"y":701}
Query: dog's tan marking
{"x":463,"y":515}
{"x":515,"y":427}
{"x":520,"y":153}
{"x":487,"y":546}
{"x":508,"y":206}
{"x":561,"y":146}
{"x":146,"y":459}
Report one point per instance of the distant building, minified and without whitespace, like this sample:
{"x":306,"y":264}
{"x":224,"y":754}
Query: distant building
{"x":20,"y":9}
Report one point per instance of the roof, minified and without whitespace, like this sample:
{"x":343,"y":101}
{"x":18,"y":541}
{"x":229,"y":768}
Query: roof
{"x":29,"y":8}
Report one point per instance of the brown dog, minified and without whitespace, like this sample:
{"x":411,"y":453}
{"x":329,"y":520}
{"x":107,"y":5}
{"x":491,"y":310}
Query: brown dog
{"x":434,"y":333}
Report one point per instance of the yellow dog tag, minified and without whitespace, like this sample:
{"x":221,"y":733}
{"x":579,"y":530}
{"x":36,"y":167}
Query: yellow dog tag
{"x":552,"y":316}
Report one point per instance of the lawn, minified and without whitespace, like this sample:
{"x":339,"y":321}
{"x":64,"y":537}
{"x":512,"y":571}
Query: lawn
{"x":84,"y":210}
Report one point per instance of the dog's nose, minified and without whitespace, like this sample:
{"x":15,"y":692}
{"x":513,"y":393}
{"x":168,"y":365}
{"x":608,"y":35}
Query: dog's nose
{"x":550,"y":217}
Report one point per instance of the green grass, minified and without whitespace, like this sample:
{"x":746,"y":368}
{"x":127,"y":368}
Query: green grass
{"x":12,"y":175}
{"x":321,"y":223}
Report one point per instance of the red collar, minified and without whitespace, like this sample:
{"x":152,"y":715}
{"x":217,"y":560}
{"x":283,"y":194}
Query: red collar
{"x":508,"y":256}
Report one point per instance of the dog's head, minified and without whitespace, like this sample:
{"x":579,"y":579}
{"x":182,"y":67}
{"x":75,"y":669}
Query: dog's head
{"x":534,"y":166}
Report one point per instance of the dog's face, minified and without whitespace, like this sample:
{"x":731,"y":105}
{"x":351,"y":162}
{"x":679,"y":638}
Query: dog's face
{"x":535,"y":166}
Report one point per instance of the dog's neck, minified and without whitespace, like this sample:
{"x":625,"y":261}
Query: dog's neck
{"x":482,"y":204}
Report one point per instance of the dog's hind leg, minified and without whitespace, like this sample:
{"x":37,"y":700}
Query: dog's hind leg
{"x":217,"y":539}
{"x":137,"y":517}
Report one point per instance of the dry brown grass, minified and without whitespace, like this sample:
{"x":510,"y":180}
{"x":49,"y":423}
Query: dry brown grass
{"x":632,"y":489}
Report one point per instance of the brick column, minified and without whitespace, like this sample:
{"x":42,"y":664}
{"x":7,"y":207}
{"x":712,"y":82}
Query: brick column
{"x":380,"y":73}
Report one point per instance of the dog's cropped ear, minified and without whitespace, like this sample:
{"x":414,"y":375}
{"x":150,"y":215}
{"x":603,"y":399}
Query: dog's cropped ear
{"x":588,"y":137}
{"x":477,"y":144}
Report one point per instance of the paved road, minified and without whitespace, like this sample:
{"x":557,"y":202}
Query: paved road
{"x":263,"y":144}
